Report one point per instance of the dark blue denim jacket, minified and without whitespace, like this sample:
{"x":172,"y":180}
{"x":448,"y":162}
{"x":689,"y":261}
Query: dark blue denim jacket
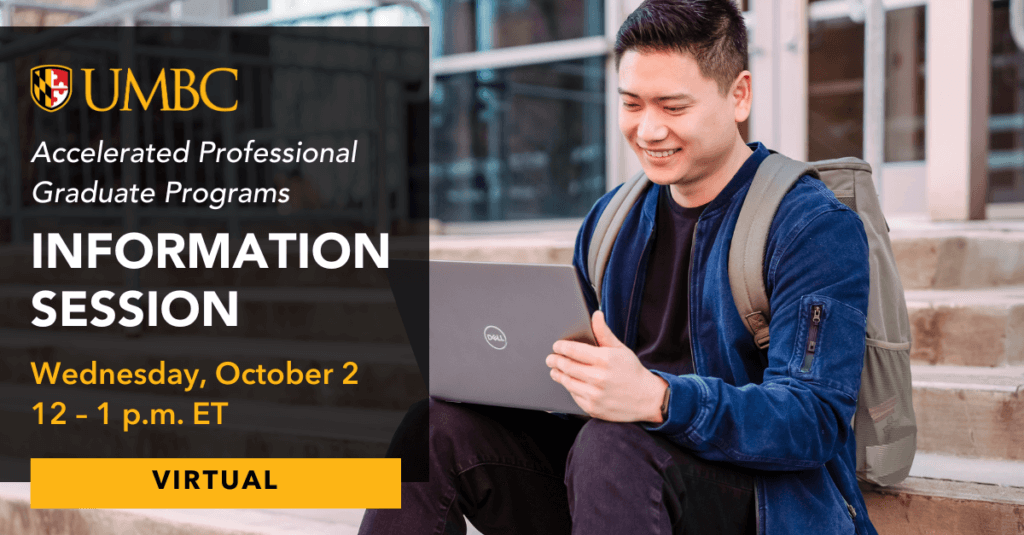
{"x":784,"y":412}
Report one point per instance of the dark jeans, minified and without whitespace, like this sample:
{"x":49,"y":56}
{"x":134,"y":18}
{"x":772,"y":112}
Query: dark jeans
{"x":512,"y":471}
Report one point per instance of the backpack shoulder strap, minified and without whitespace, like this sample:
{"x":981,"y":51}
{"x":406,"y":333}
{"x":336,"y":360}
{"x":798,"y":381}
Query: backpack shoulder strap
{"x":607,"y":229}
{"x":775,"y":176}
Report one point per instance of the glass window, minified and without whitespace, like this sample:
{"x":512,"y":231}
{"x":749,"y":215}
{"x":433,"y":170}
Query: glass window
{"x":1006,"y":119}
{"x":249,"y":6}
{"x":904,"y":84}
{"x":518,"y":143}
{"x":477,"y":25}
{"x":458,"y":27}
{"x":835,"y":89}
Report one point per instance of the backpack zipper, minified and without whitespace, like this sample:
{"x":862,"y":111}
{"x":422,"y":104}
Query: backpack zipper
{"x":812,"y":339}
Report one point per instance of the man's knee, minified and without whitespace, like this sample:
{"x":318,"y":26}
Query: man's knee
{"x":599,"y":435}
{"x":462,"y":432}
{"x":451,"y":423}
{"x":607,"y":447}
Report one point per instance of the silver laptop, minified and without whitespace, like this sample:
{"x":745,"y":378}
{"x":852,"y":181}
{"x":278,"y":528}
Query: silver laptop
{"x":492,"y":327}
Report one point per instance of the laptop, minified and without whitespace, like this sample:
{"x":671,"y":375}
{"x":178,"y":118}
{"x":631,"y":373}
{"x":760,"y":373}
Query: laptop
{"x":492,"y":326}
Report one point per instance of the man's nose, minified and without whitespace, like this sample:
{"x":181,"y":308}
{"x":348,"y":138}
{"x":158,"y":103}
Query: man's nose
{"x":651,"y":127}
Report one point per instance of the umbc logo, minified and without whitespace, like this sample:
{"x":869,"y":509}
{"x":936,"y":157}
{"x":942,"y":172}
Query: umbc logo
{"x":51,"y":86}
{"x":51,"y":89}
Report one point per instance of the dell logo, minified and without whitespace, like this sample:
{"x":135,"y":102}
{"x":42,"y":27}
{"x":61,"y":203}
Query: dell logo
{"x":494,"y":337}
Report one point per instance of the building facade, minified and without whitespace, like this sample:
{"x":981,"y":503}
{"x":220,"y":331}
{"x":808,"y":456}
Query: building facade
{"x":524,"y":104}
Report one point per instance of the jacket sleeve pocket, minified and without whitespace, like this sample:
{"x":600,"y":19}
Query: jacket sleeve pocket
{"x":829,"y":347}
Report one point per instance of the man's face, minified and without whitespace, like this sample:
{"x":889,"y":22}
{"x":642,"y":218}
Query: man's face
{"x":677,"y":122}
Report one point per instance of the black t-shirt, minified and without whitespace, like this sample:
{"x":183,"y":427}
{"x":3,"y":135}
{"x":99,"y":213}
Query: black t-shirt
{"x":663,"y":333}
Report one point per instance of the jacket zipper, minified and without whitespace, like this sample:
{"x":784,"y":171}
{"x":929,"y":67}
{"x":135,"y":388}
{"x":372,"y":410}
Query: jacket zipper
{"x":632,"y":291}
{"x":757,"y":510}
{"x":693,"y":356}
{"x":812,"y":339}
{"x":689,"y":294}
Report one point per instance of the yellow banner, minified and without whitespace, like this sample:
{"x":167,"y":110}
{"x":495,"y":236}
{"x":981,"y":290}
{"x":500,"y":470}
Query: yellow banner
{"x":216,"y":483}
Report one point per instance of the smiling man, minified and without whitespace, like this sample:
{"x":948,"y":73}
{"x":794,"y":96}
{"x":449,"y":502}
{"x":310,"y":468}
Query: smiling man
{"x":695,"y":429}
{"x":681,"y":125}
{"x":727,"y":437}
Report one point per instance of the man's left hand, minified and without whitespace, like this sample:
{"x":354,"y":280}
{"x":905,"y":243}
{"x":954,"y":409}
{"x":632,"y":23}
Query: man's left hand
{"x":607,"y":381}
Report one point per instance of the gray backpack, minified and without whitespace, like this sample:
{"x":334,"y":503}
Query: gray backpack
{"x":884,"y":424}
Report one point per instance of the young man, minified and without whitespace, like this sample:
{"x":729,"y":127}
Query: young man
{"x":695,"y":429}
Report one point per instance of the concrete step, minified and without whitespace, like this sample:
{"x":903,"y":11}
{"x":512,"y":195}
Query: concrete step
{"x":934,"y":506}
{"x":346,"y":314}
{"x":980,"y":327}
{"x":387,"y":374}
{"x":975,"y":254}
{"x":949,"y":494}
{"x":968,"y":469}
{"x":929,"y":255}
{"x":970,"y":412}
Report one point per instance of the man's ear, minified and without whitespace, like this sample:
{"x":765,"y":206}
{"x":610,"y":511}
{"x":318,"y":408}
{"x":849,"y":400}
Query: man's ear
{"x":741,"y":96}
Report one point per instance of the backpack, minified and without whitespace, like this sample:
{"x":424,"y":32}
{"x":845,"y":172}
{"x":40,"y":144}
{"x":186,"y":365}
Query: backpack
{"x":884,"y":424}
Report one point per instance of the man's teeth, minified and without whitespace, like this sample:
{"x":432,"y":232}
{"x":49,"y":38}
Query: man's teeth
{"x":662,"y":153}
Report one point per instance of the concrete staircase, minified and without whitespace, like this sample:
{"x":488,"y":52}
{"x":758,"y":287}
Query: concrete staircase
{"x":965,"y":290}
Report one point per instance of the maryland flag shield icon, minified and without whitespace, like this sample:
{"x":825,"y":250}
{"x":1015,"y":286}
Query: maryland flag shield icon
{"x":51,"y":86}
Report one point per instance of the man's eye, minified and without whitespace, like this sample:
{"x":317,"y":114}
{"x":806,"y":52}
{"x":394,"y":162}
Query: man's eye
{"x":676,"y":109}
{"x":630,"y":105}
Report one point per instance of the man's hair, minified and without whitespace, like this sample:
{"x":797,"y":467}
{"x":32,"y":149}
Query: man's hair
{"x":712,"y":31}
